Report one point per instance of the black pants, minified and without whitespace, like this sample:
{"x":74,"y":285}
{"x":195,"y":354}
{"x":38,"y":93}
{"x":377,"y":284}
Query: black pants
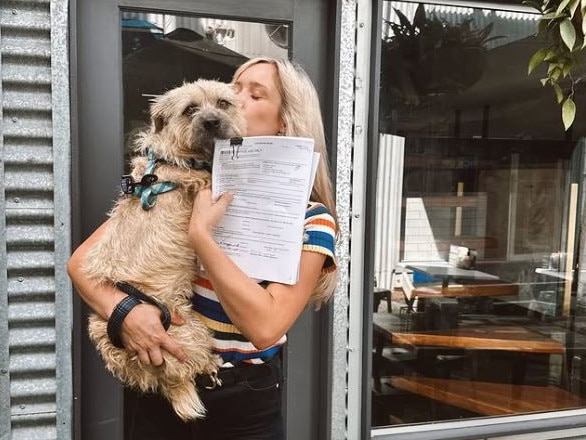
{"x":248,"y":410}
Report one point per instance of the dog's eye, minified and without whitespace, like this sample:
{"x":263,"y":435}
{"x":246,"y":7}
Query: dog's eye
{"x":190,"y":110}
{"x":223,"y":104}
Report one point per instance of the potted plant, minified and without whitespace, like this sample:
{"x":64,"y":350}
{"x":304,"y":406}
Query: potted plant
{"x":430,"y":56}
{"x":562,"y":26}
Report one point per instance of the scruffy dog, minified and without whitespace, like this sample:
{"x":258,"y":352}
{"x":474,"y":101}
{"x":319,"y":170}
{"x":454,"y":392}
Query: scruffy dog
{"x":146,"y":243}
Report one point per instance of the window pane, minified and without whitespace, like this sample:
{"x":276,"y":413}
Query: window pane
{"x":161,"y":51}
{"x":479,"y":199}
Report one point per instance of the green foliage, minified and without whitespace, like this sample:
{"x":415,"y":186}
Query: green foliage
{"x":563,"y":26}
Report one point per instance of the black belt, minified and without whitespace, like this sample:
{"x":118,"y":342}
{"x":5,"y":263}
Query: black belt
{"x":233,"y":375}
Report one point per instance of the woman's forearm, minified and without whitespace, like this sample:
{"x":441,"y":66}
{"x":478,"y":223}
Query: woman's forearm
{"x":262,"y":315}
{"x":101,"y":298}
{"x":141,"y":332}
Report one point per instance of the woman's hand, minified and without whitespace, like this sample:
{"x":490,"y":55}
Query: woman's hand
{"x":206,"y":214}
{"x":142,"y":333}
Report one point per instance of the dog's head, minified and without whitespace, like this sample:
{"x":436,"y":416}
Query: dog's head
{"x":188,"y":119}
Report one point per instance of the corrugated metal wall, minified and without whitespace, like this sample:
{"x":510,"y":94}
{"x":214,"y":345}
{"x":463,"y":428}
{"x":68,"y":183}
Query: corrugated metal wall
{"x":35,"y":300}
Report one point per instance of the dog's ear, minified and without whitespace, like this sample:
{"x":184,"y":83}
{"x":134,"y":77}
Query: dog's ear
{"x":158,"y":117}
{"x":159,"y":123}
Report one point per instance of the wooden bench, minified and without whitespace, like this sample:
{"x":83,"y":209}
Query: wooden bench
{"x":495,"y":337}
{"x":466,"y":290}
{"x":487,"y":398}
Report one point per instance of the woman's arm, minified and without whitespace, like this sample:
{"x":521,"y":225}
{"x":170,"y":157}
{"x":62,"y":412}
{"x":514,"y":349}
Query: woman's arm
{"x":142,"y":331}
{"x":262,"y":315}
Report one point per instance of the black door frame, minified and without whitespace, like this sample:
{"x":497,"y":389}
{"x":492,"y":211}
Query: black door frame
{"x":97,"y":166}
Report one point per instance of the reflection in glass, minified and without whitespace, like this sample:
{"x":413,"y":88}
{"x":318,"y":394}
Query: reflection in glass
{"x":161,"y":51}
{"x":478,"y":306}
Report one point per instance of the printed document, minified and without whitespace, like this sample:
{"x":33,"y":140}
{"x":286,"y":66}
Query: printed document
{"x":271,"y":178}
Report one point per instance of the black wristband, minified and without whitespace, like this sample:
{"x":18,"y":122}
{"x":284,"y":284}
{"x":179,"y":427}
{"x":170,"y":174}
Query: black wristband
{"x":122,"y":309}
{"x":136,"y":293}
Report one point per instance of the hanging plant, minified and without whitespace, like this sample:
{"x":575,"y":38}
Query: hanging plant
{"x":562,"y":25}
{"x":430,"y":56}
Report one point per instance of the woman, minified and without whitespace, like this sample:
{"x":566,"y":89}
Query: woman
{"x":249,"y":320}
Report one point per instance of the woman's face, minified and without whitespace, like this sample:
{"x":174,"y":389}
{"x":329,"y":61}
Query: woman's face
{"x":260,"y":100}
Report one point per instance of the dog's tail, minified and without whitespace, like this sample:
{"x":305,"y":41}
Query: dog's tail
{"x":184,"y":400}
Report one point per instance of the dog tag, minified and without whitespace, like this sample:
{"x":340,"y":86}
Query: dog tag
{"x":127,"y":184}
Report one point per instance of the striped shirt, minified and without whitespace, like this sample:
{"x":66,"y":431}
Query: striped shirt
{"x":319,"y":236}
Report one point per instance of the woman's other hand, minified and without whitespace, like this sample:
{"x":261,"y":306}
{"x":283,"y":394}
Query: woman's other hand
{"x":206,"y":214}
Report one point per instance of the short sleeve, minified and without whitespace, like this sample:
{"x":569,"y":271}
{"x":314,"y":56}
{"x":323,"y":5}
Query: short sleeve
{"x":320,"y":234}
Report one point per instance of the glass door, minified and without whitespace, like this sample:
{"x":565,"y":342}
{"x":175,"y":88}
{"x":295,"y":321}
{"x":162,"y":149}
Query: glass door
{"x":477,"y":298}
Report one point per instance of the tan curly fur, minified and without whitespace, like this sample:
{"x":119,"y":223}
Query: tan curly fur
{"x":149,"y":248}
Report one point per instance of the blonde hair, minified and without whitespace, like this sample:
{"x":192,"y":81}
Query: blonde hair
{"x":301,"y":114}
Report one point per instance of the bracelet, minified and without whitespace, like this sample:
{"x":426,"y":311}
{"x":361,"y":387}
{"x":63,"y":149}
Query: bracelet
{"x":136,"y":293}
{"x":122,"y":309}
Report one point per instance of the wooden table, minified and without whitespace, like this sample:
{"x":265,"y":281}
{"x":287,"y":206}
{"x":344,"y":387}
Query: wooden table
{"x":447,"y":272}
{"x":491,"y":287}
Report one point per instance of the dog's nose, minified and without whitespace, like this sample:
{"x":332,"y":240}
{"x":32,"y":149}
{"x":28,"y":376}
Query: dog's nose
{"x":211,"y":124}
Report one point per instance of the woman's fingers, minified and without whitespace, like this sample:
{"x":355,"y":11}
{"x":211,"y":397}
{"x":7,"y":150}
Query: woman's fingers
{"x":144,"y":357}
{"x":155,"y":356}
{"x":171,"y":346}
{"x":142,"y":333}
{"x":208,"y":212}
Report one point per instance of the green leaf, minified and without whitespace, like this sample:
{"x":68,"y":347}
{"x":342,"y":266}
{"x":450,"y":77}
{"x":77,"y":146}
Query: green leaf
{"x":544,"y":81}
{"x":549,"y":55}
{"x":555,"y":74}
{"x":404,"y":21}
{"x":419,"y":17}
{"x":568,"y":33}
{"x":566,"y":68}
{"x":536,"y":60}
{"x":573,"y":7}
{"x":562,"y":6}
{"x":568,"y":113}
{"x":558,"y":92}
